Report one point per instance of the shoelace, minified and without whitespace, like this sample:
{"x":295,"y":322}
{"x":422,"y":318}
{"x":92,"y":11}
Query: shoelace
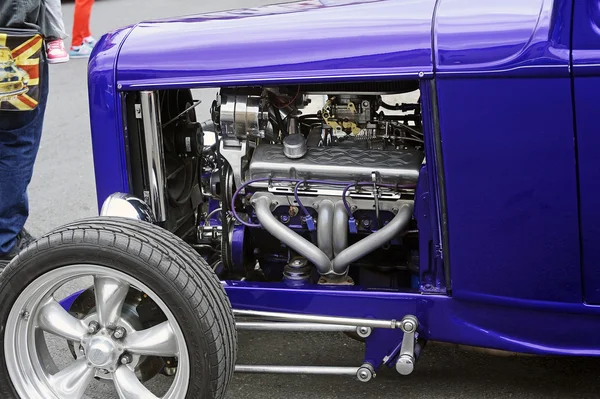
{"x":55,"y":46}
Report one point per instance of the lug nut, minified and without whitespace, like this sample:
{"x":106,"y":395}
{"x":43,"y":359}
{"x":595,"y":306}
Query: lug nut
{"x":119,"y":333}
{"x":126,"y":359}
{"x":93,"y":327}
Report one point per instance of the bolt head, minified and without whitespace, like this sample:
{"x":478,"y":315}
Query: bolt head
{"x":93,"y":327}
{"x":408,"y":326}
{"x":119,"y":333}
{"x":126,"y":359}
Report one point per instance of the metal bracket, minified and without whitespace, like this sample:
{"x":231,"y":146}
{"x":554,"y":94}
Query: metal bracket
{"x":235,"y":156}
{"x":406,"y":360}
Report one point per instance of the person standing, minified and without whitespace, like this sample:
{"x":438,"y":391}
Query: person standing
{"x":21,"y":119}
{"x":82,"y":40}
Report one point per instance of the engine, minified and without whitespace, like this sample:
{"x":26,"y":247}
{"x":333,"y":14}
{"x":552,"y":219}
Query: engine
{"x":313,"y":184}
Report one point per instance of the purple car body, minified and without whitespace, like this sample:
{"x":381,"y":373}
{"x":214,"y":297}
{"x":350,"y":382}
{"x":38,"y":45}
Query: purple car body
{"x":507,"y":203}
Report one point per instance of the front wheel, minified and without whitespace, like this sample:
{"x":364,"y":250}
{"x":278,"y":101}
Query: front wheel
{"x":153,"y":306}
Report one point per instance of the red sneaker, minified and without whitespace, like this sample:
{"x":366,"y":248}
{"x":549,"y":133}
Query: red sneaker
{"x":56,"y":52}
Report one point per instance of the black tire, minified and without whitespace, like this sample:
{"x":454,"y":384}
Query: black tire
{"x":158,"y":259}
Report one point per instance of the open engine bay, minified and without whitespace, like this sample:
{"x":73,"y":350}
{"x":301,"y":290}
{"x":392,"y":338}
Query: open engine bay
{"x":305,"y":184}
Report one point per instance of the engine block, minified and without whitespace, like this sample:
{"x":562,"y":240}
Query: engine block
{"x":338,"y":163}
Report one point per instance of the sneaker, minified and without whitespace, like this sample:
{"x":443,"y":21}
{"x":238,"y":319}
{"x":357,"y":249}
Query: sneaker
{"x":89,"y":41}
{"x":82,"y":51}
{"x":23,"y":240}
{"x":56,"y":52}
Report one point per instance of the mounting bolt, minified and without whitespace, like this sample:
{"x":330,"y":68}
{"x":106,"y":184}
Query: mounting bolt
{"x":93,"y":327}
{"x":365,"y":104}
{"x":119,"y":333}
{"x":394,"y":210}
{"x":297,"y":262}
{"x":366,"y":223}
{"x":126,"y":359}
{"x":25,"y":315}
{"x":284,"y":218}
{"x":353,"y":208}
{"x":421,"y":74}
{"x":363,"y":332}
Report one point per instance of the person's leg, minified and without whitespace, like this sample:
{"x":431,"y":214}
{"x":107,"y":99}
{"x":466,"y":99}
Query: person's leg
{"x":20,"y":134}
{"x":81,"y":28}
{"x":54,"y":31}
{"x":54,"y":26}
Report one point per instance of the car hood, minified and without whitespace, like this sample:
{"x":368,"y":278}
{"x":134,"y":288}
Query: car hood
{"x":313,"y":40}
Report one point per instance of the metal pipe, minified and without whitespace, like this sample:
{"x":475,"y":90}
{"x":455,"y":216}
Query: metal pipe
{"x":154,"y":154}
{"x":262,"y":206}
{"x":295,"y":317}
{"x":340,"y":228}
{"x":325,"y":228}
{"x":321,"y":370}
{"x":279,"y":326}
{"x":373,"y":241}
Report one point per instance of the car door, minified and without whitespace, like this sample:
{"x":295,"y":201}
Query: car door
{"x":586,"y":89}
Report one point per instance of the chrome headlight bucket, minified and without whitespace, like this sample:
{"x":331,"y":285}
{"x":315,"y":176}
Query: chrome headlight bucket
{"x":128,"y":206}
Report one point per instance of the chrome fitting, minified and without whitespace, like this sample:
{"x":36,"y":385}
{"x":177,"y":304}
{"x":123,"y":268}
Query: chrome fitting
{"x":127,"y":206}
{"x":119,"y":333}
{"x":406,"y":360}
{"x":93,"y":327}
{"x":126,"y":359}
{"x":363,"y":331}
{"x":365,"y":373}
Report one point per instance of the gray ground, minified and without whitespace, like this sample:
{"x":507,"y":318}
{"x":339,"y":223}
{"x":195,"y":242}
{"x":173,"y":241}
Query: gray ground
{"x":63,"y":190}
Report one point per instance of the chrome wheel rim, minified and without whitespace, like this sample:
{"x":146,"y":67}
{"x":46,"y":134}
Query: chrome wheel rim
{"x":33,"y":371}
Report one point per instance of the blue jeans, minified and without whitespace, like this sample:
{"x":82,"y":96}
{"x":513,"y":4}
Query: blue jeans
{"x":20,"y":134}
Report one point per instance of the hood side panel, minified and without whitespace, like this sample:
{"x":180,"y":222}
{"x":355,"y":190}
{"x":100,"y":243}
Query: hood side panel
{"x":322,"y":41}
{"x":518,"y":37}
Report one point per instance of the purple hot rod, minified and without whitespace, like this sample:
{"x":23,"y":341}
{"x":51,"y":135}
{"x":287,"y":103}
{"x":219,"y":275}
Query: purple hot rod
{"x":400,"y":171}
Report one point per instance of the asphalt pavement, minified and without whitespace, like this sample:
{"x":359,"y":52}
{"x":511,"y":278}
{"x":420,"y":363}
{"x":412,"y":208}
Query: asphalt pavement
{"x":62,"y":190}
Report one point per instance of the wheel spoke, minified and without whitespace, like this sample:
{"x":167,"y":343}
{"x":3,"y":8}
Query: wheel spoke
{"x":53,"y":318}
{"x":110,"y":295}
{"x":72,"y":381}
{"x":128,"y":386}
{"x":159,"y":340}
